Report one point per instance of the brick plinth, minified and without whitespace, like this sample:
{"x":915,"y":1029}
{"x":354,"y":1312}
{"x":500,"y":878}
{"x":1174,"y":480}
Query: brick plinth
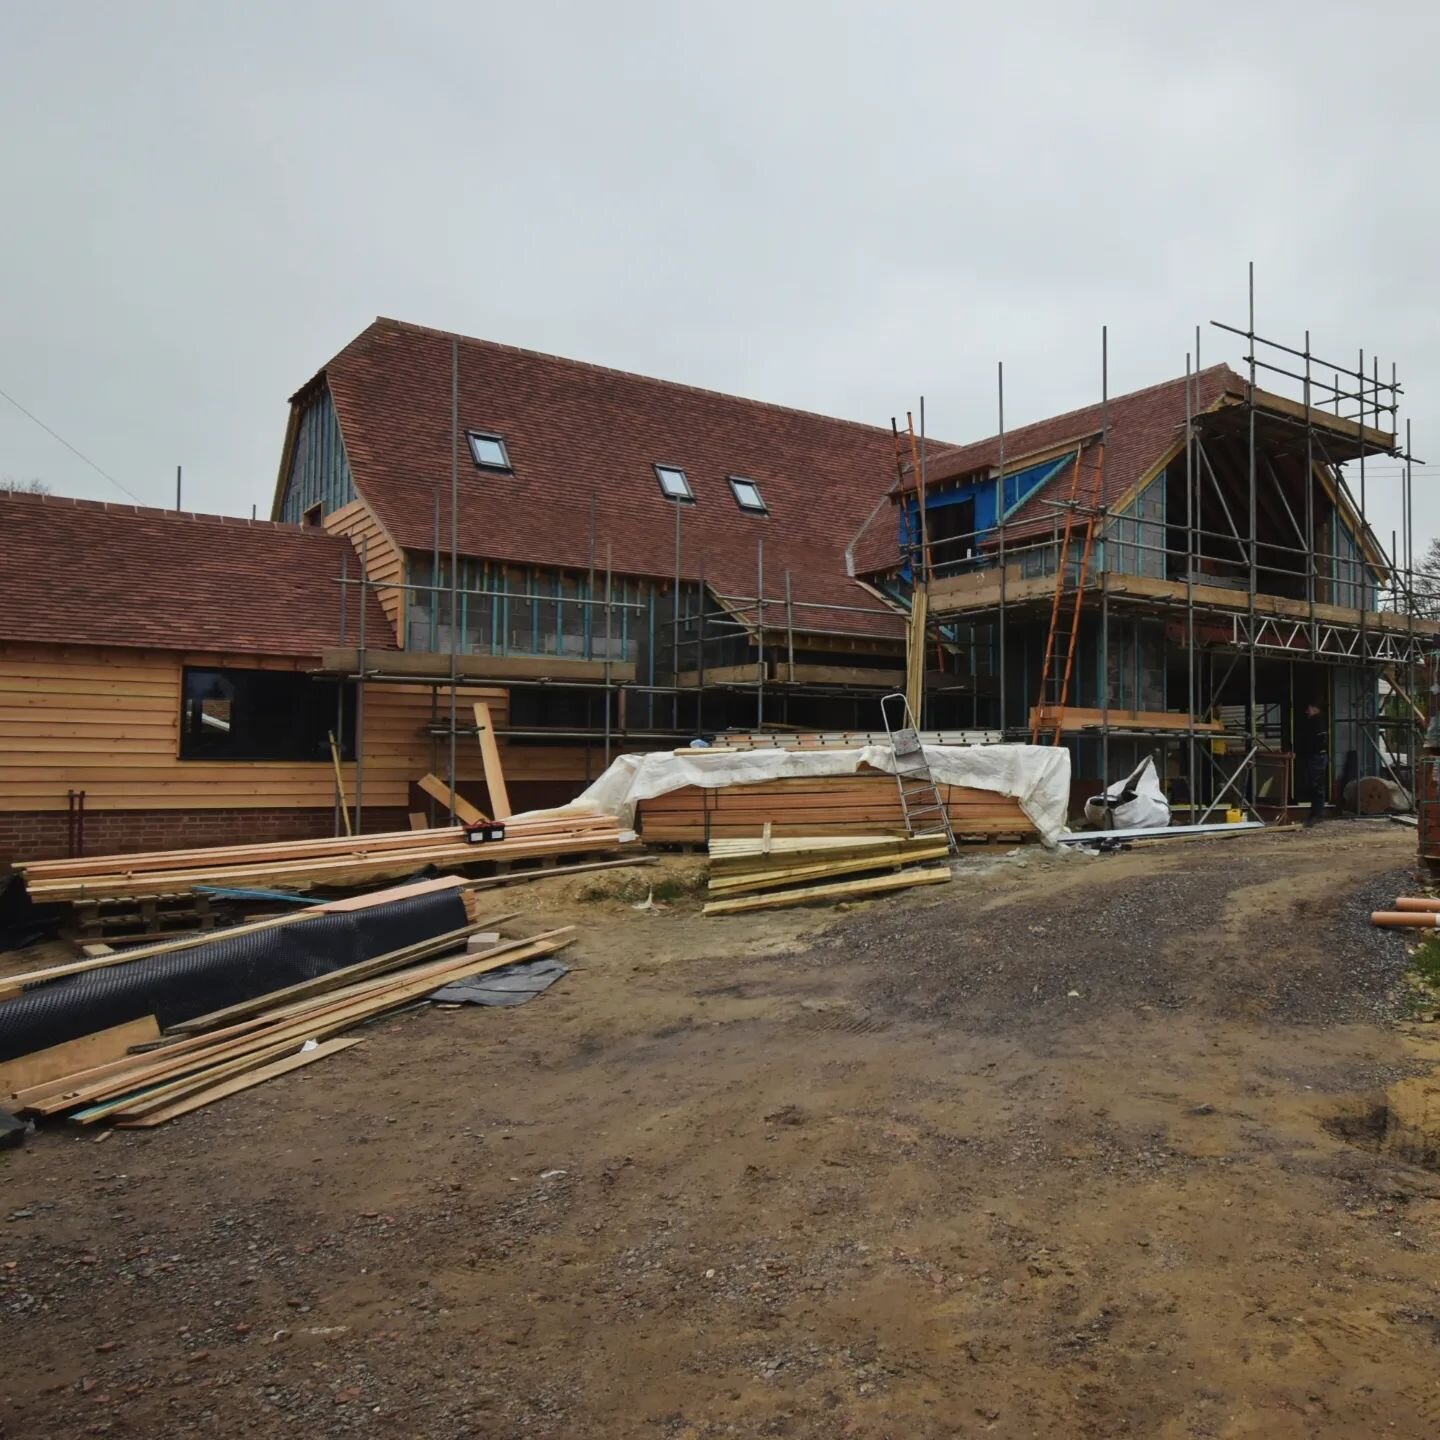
{"x":42,"y":835}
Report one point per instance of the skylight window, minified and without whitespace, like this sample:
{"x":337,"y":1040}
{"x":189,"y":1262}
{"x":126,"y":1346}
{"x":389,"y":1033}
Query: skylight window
{"x":673,"y":482}
{"x":747,"y":495}
{"x":489,"y":450}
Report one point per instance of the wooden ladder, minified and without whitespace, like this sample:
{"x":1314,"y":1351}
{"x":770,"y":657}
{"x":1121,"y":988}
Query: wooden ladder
{"x":1068,"y":603}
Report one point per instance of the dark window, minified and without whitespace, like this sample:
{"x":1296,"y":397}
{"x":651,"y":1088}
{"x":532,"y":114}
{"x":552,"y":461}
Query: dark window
{"x":673,"y":482}
{"x":950,"y":530}
{"x":489,"y":450}
{"x":261,"y":715}
{"x":747,"y":495}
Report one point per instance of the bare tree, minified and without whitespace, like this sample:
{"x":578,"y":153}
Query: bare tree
{"x":1425,"y":585}
{"x":9,"y":485}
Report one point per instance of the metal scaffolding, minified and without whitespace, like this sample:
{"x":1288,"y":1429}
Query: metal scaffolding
{"x":1345,"y":417}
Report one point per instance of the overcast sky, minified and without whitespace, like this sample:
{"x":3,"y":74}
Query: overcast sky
{"x":831,"y":205}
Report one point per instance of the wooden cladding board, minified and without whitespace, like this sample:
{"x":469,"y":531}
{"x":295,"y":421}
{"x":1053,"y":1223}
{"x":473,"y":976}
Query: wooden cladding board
{"x":384,"y":562}
{"x":825,"y":805}
{"x":107,"y":721}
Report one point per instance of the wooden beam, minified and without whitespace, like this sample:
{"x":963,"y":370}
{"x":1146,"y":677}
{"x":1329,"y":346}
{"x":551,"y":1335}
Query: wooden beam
{"x":56,"y":1061}
{"x":774,"y":879}
{"x":470,"y":668}
{"x":844,"y":890}
{"x":490,"y":759}
{"x":240,"y":1082}
{"x":461,"y":808}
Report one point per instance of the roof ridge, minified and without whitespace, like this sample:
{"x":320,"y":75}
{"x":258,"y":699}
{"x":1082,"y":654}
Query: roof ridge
{"x":1079,"y":410}
{"x":596,"y":367}
{"x":120,"y":508}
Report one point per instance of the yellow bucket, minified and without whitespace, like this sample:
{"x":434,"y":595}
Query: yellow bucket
{"x":1233,"y":816}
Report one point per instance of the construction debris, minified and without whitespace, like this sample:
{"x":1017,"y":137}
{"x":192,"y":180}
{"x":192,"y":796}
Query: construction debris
{"x":246,"y":1045}
{"x":182,"y":984}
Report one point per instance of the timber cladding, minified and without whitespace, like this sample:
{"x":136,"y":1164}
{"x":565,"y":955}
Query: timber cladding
{"x":106,"y":721}
{"x":386,"y":566}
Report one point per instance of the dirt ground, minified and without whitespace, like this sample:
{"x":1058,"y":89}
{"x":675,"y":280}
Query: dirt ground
{"x":1072,"y":1146}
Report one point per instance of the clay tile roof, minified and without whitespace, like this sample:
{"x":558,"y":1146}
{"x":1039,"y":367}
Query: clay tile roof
{"x":1142,"y":426}
{"x":82,"y":572}
{"x":577,"y":431}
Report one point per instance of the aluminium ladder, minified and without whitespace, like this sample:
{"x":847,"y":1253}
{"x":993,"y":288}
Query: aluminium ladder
{"x":920,"y":803}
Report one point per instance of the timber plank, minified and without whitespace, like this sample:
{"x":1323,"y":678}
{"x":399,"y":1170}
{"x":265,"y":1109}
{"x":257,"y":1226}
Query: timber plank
{"x":490,"y":757}
{"x":56,"y":1061}
{"x":879,"y":884}
{"x":803,"y":874}
{"x":241,"y":1082}
{"x":458,"y":806}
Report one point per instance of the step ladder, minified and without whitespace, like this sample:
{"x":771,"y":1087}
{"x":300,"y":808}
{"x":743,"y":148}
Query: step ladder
{"x":1081,"y":520}
{"x":920,"y":803}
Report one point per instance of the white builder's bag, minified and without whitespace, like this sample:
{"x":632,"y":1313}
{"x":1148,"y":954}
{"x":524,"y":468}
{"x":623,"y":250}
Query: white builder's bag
{"x":1136,"y":803}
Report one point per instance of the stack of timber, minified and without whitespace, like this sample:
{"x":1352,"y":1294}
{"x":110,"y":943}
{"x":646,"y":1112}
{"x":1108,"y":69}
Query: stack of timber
{"x":770,"y":873}
{"x":206,"y":1059}
{"x":866,"y":803}
{"x":339,"y":863}
{"x":839,"y":739}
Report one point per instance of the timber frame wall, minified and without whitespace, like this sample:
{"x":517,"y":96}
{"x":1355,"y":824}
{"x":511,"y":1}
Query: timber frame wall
{"x":602,"y":663}
{"x":1203,"y":634}
{"x":98,"y":730}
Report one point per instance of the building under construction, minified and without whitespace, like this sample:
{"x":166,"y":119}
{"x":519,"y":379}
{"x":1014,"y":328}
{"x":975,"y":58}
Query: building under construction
{"x":605,"y":562}
{"x":1219,"y":574}
{"x":640,"y":562}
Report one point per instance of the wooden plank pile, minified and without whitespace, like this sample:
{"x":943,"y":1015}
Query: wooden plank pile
{"x":863,"y":804}
{"x":839,"y":739}
{"x":98,"y":1078}
{"x":12,"y":985}
{"x":769,"y":873}
{"x":348,"y":860}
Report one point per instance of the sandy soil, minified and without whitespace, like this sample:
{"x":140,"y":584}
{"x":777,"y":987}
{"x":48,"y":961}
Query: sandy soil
{"x":1069,"y":1147}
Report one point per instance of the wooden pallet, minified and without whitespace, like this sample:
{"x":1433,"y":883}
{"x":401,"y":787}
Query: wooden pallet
{"x":129,"y":919}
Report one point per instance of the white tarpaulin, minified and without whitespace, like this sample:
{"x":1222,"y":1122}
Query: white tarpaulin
{"x":1038,"y":776}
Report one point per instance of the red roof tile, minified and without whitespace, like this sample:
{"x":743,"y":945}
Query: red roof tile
{"x":575,"y":430}
{"x":1142,"y":426}
{"x":81,"y":572}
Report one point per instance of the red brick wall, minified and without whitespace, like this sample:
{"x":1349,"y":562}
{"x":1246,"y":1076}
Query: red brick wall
{"x":42,"y":835}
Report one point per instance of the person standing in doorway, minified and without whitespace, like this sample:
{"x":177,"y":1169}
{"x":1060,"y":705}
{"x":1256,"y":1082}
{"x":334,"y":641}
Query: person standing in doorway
{"x":1312,"y":748}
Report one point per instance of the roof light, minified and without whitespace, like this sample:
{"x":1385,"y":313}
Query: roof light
{"x":488,"y":450}
{"x":747,"y":495}
{"x":673,"y":482}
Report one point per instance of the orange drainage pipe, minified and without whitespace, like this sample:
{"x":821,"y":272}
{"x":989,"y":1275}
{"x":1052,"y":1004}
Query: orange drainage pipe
{"x":1417,"y":902}
{"x":1429,"y":919}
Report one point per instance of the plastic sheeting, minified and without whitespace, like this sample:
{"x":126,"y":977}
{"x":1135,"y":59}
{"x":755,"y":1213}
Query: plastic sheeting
{"x":1038,"y":776}
{"x":187,"y":983}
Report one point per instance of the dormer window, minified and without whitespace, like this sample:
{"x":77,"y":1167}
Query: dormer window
{"x":673,"y":483}
{"x":488,"y":450}
{"x":747,"y":495}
